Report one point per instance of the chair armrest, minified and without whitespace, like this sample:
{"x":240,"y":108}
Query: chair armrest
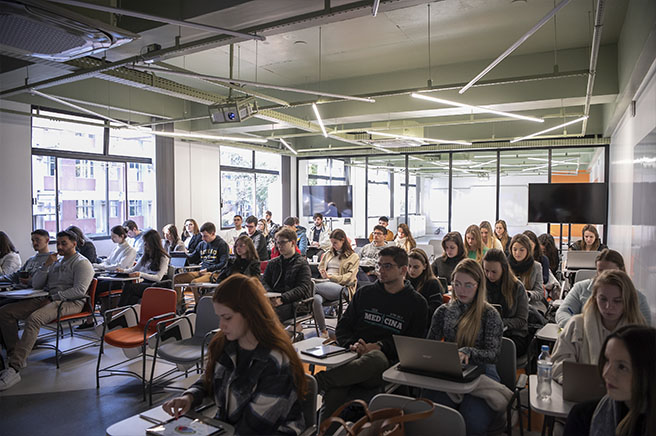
{"x":521,"y":382}
{"x":119,"y":309}
{"x":162,"y":327}
{"x":311,"y":430}
{"x":163,"y":318}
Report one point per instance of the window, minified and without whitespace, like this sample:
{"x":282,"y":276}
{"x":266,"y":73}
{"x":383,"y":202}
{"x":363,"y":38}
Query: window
{"x":236,"y":157}
{"x":94,"y":194}
{"x":124,"y":142}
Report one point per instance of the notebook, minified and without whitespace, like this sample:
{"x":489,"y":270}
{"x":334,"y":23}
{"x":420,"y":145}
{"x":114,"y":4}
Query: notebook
{"x":433,"y":359}
{"x":582,"y":382}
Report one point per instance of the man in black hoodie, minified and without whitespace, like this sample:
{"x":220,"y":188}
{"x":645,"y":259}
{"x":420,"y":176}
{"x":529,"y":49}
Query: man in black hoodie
{"x":288,"y":274}
{"x":389,"y":306}
{"x":211,"y":253}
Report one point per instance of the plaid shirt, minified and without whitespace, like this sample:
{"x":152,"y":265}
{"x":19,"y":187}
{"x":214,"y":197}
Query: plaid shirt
{"x":257,"y":396}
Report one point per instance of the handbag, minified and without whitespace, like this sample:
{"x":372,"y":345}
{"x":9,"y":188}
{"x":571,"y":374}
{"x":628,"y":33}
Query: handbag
{"x":383,"y":422}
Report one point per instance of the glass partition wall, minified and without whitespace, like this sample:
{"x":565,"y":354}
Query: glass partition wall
{"x":439,"y":192}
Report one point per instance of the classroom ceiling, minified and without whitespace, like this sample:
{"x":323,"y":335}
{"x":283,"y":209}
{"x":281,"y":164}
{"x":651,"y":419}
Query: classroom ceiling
{"x":345,"y":50}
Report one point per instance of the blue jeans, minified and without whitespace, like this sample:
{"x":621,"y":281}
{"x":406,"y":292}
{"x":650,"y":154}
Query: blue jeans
{"x":477,"y":414}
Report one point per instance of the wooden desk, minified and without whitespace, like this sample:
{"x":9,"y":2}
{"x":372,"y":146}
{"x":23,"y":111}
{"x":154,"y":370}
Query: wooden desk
{"x":393,"y":375}
{"x":554,"y":407}
{"x":328,"y":362}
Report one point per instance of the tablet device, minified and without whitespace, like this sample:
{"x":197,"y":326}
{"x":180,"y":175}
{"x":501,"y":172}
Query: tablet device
{"x":185,"y":425}
{"x":323,"y":351}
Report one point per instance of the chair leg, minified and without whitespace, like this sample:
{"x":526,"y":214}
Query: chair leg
{"x":150,"y":383}
{"x":57,"y":346}
{"x":100,"y":353}
{"x":143,"y":370}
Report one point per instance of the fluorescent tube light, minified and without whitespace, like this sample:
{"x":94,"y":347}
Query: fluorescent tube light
{"x":316,"y":112}
{"x":374,"y":8}
{"x":204,"y":136}
{"x":288,"y":146}
{"x":476,"y":108}
{"x":533,"y":135}
{"x":413,"y":138}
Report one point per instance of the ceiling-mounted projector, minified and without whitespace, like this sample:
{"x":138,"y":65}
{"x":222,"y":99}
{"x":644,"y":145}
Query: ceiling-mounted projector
{"x":234,"y":111}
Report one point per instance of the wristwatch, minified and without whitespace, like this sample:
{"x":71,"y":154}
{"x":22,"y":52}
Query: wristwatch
{"x":380,"y":344}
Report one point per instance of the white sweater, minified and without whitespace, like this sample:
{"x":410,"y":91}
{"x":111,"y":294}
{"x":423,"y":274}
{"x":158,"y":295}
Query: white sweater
{"x":9,"y":263}
{"x":122,"y":256}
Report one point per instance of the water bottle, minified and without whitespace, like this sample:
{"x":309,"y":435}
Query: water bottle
{"x":544,"y":374}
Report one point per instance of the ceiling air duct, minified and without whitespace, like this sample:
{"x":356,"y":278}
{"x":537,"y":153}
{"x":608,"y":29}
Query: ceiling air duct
{"x":42,"y":30}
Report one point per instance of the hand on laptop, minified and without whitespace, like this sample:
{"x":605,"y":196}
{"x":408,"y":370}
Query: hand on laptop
{"x":361,"y":347}
{"x":464,"y":358}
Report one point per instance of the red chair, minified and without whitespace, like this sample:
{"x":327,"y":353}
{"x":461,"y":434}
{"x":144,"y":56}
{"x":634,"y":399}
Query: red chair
{"x":157,"y":306}
{"x":87,"y":310}
{"x":445,"y":298}
{"x":263,"y":265}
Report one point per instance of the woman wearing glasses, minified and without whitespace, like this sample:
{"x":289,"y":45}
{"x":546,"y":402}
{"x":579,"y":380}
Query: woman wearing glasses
{"x":473,"y":324}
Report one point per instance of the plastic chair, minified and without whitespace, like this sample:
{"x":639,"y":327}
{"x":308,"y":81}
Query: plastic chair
{"x":437,"y":247}
{"x":309,"y":406}
{"x":87,"y":310}
{"x":157,"y":306}
{"x":444,"y":420}
{"x":507,"y":369}
{"x":584,"y":274}
{"x":186,"y":352}
{"x":428,"y":249}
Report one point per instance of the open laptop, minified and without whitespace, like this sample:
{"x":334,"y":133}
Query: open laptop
{"x":581,"y":259}
{"x":433,"y":359}
{"x":582,"y":382}
{"x":178,"y":259}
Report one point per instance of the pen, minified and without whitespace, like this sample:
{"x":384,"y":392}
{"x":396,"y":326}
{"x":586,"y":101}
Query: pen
{"x":151,"y":420}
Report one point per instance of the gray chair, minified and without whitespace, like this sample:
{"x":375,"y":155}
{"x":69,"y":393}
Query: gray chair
{"x":507,"y":369}
{"x":584,"y":274}
{"x":437,"y":247}
{"x":444,"y":420}
{"x":428,"y":249}
{"x":309,"y":405}
{"x":186,"y":352}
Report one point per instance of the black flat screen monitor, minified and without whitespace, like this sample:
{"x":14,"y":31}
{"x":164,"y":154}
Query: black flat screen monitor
{"x":330,"y":201}
{"x":572,"y":203}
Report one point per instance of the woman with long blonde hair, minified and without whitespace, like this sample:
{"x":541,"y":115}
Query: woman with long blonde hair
{"x":501,"y":233}
{"x":252,"y":366}
{"x":474,"y":243}
{"x":487,"y":235}
{"x":476,"y":326}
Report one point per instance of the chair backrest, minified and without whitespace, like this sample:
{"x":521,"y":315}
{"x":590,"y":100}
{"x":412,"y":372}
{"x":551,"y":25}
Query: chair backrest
{"x":437,"y":247}
{"x":428,"y":249}
{"x":156,"y":301}
{"x":507,"y":364}
{"x":361,"y":242}
{"x":92,"y":294}
{"x":309,"y":403}
{"x":584,"y":274}
{"x":358,"y":250}
{"x":444,"y":420}
{"x":263,"y":265}
{"x":206,"y":319}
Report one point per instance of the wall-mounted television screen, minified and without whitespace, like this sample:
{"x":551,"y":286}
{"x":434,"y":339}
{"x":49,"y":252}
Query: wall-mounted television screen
{"x":572,"y":203}
{"x":330,"y":201}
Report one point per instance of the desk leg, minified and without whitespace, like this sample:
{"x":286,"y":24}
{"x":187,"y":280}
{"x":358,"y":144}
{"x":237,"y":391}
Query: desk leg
{"x":311,"y":367}
{"x":548,"y":425}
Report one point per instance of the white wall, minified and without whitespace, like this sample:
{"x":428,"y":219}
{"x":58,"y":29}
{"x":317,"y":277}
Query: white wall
{"x":16,"y":177}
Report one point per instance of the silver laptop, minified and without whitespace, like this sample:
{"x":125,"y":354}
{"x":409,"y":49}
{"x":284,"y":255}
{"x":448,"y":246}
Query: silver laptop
{"x":582,"y":382}
{"x":178,"y":262}
{"x":433,"y":359}
{"x":581,"y":259}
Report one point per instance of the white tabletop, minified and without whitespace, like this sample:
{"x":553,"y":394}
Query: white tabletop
{"x":118,"y":279}
{"x":328,"y":362}
{"x":197,"y":285}
{"x":136,"y":426}
{"x":272,"y":294}
{"x":393,"y":375}
{"x":23,"y":294}
{"x":549,"y":332}
{"x":555,"y":406}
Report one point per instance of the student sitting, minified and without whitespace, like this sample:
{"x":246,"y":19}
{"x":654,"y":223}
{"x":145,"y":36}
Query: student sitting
{"x":628,"y":371}
{"x":84,"y":245}
{"x":548,"y":248}
{"x":366,"y":329}
{"x":172,"y":242}
{"x":477,"y":329}
{"x":63,"y":279}
{"x":505,"y":290}
{"x":384,"y":222}
{"x":580,"y":293}
{"x":211,"y":253}
{"x":528,"y":271}
{"x":274,"y":251}
{"x":589,"y":240}
{"x":487,"y":236}
{"x":369,"y":255}
{"x":40,"y":239}
{"x":191,"y":235}
{"x":231,"y":235}
{"x":10,"y":260}
{"x":245,"y":262}
{"x":422,"y":279}
{"x":340,"y":266}
{"x":253,"y":372}
{"x":288,"y":274}
{"x":301,"y":238}
{"x":454,"y":252}
{"x":538,"y":256}
{"x":135,"y":236}
{"x":613,"y":304}
{"x":404,"y":238}
{"x":318,"y":237}
{"x":474,"y":243}
{"x":501,"y":233}
{"x":271,"y":226}
{"x":263,"y":227}
{"x":151,"y":268}
{"x":258,"y":238}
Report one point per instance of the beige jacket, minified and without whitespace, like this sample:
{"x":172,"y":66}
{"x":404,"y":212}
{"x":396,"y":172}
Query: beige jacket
{"x":348,"y":270}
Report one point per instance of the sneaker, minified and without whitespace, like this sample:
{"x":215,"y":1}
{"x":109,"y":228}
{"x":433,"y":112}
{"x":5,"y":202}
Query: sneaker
{"x":86,"y":325}
{"x":8,"y":378}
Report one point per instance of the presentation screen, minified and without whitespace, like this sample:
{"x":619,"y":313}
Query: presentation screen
{"x":572,"y":203}
{"x":330,"y":201}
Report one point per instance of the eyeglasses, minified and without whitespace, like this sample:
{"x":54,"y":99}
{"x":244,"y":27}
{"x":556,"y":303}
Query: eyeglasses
{"x":378,"y":234}
{"x":250,"y":226}
{"x":469,"y":285}
{"x":281,"y":242}
{"x":385,"y":266}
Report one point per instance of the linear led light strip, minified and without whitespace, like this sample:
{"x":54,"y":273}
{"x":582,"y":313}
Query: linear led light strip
{"x":533,"y":135}
{"x":288,"y":146}
{"x":476,"y":108}
{"x":142,"y":129}
{"x":414,"y":138}
{"x":319,"y":120}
